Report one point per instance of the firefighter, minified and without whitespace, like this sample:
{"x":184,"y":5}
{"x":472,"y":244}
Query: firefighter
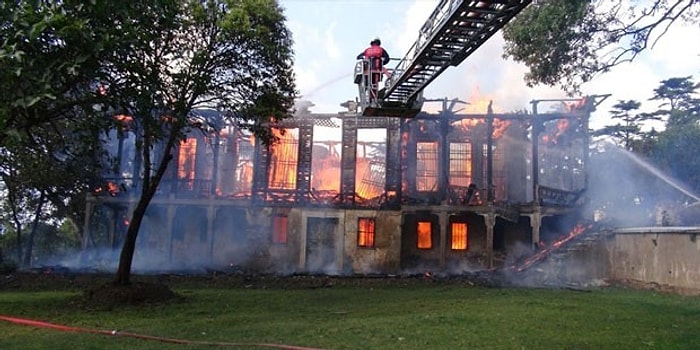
{"x":377,"y":57}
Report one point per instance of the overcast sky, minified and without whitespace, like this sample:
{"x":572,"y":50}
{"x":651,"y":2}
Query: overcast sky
{"x":328,"y":35}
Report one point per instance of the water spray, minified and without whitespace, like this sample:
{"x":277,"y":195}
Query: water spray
{"x":607,"y":144}
{"x":325,"y":84}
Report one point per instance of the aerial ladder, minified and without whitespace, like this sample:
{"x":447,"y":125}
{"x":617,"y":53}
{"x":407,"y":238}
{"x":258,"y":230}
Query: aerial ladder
{"x":454,"y":30}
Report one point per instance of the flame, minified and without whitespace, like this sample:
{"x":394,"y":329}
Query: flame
{"x":365,"y":230}
{"x":325,"y":169}
{"x":560,"y":129}
{"x":112,"y":188}
{"x":123,"y":118}
{"x":469,"y":123}
{"x":500,"y":127}
{"x":424,"y":235}
{"x":479,"y":103}
{"x":364,"y":186}
{"x":477,"y":106}
{"x":186,"y":160}
{"x":459,"y":236}
{"x":283,"y":160}
{"x":540,"y":255}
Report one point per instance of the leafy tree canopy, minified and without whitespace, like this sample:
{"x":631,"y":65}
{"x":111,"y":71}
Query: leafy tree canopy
{"x":568,"y":42}
{"x":679,"y":104}
{"x":68,"y":66}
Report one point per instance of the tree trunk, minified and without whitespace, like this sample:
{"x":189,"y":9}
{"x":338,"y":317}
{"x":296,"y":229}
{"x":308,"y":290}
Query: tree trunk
{"x":127,"y":254}
{"x":12,"y":197}
{"x":126,"y":257}
{"x":30,"y":240}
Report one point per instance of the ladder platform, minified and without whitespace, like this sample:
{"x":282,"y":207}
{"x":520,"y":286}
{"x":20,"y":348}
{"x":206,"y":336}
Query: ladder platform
{"x":393,"y":109}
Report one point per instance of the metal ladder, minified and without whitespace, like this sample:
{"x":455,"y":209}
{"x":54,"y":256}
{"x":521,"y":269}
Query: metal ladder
{"x":454,"y":30}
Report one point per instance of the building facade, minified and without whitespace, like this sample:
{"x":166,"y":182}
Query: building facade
{"x":347,"y":194}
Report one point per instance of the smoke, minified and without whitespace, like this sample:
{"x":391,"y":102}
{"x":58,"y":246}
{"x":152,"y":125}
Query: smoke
{"x":625,"y":190}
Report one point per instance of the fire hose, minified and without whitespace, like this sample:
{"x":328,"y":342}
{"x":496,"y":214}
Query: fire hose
{"x":114,"y":333}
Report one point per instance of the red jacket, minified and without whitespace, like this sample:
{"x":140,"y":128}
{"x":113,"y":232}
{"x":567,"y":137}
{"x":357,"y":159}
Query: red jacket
{"x":375,"y":51}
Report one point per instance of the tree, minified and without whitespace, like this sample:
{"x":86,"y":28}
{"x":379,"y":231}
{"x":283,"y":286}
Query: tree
{"x":676,"y":144}
{"x":675,"y":153}
{"x":628,"y":133}
{"x":33,"y":195}
{"x":234,"y":56}
{"x":679,"y":105}
{"x":568,"y":42}
{"x":156,"y":62}
{"x":50,"y":58}
{"x":49,"y":62}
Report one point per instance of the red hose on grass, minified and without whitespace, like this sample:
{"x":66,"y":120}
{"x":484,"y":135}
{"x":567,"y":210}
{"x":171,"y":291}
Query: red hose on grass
{"x":41,"y":324}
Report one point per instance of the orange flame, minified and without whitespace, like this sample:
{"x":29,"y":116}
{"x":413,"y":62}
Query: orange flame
{"x":123,"y":118}
{"x":500,"y":127}
{"x":459,"y":236}
{"x":365,"y":231}
{"x":186,"y":160}
{"x":283,"y":160}
{"x":424,"y":235}
{"x":540,"y":255}
{"x":325,"y":174}
{"x":363,"y":168}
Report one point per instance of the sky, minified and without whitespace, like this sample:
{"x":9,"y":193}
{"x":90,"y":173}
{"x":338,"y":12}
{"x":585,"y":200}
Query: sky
{"x":328,"y":35}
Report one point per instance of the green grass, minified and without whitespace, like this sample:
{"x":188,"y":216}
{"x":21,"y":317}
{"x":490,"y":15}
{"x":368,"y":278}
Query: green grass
{"x":398,"y":317}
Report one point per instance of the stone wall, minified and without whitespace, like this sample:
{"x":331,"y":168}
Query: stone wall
{"x":662,"y":255}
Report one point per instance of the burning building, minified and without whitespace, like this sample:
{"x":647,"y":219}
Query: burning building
{"x":348,"y":194}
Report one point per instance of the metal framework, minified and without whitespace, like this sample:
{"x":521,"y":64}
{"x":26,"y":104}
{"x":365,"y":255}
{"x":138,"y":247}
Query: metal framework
{"x":454,"y":30}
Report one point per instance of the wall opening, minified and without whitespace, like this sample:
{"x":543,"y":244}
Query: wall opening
{"x":426,"y":166}
{"x":284,"y":156}
{"x":370,"y":174}
{"x":186,"y":163}
{"x":424,"y":230}
{"x":460,"y":164}
{"x":459,"y":236}
{"x":279,"y":229}
{"x":321,"y":245}
{"x":365,"y":232}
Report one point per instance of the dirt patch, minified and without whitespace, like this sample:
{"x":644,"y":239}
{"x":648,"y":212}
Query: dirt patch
{"x":109,"y":295}
{"x":98,"y":285}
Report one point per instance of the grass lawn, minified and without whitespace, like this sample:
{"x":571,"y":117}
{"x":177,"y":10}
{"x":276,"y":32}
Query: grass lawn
{"x":378,"y":317}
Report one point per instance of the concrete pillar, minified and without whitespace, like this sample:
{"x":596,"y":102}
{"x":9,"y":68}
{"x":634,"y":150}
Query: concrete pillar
{"x":490,"y":221}
{"x":442,"y":218}
{"x":169,"y":217}
{"x":211,"y":215}
{"x":535,"y":223}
